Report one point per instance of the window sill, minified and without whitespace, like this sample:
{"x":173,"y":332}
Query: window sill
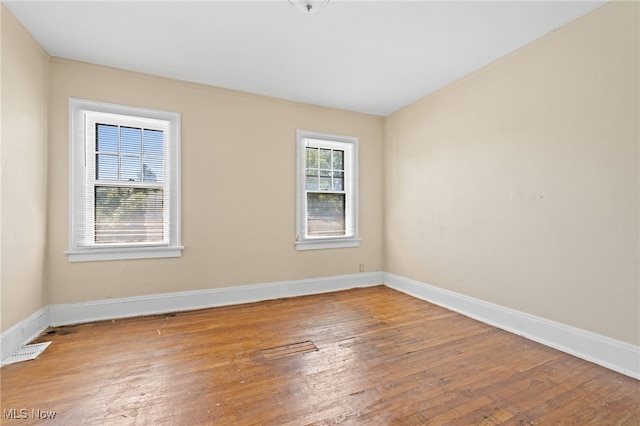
{"x":101,"y":254}
{"x":327,"y":244}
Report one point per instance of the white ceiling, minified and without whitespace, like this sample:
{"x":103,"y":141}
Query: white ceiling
{"x":368,"y":56}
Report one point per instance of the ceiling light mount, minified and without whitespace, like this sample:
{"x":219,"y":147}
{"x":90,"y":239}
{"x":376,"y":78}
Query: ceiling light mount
{"x":309,"y":6}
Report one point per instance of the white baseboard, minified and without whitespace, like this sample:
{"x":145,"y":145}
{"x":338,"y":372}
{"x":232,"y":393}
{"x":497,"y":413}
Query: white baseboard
{"x":613,"y":354}
{"x":23,"y":332}
{"x":97,"y":310}
{"x":610,"y":353}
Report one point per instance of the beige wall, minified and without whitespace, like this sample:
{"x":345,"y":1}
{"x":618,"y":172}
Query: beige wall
{"x":23,"y":173}
{"x":238,"y":182}
{"x":518,"y":184}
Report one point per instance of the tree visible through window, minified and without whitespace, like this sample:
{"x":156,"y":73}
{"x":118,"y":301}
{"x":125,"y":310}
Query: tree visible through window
{"x":324,"y":183}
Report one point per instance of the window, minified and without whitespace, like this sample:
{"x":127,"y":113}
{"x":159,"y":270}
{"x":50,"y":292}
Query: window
{"x":124,"y":182}
{"x":327,"y":198}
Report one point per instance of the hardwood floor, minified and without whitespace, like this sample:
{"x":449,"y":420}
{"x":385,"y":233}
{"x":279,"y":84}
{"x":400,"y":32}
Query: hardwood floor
{"x":364,"y":356}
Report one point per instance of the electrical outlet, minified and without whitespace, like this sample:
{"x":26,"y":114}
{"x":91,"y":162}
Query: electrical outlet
{"x":362,"y":267}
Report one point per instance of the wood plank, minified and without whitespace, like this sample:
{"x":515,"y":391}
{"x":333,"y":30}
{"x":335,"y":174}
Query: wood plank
{"x":288,"y":350}
{"x":382,"y":358}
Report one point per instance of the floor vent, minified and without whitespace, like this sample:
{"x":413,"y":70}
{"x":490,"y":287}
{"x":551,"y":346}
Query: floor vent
{"x":290,"y":349}
{"x":26,"y":353}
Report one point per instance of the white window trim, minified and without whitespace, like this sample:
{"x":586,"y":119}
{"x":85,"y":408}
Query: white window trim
{"x":315,"y":243}
{"x":80,"y":252}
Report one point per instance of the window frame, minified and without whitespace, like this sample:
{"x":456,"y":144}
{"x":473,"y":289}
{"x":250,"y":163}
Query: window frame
{"x":350,"y":146}
{"x":86,"y":113}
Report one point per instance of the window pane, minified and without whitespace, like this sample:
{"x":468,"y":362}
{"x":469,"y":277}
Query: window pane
{"x":106,"y":167}
{"x":153,"y":142}
{"x":131,"y":168}
{"x":106,"y":138}
{"x":325,"y":158}
{"x":325,"y":180}
{"x":311,"y":158}
{"x":153,"y":170}
{"x":338,"y":181}
{"x":128,"y":215}
{"x":130,"y":140}
{"x":338,"y":160}
{"x":311,"y":182}
{"x":325,"y":215}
